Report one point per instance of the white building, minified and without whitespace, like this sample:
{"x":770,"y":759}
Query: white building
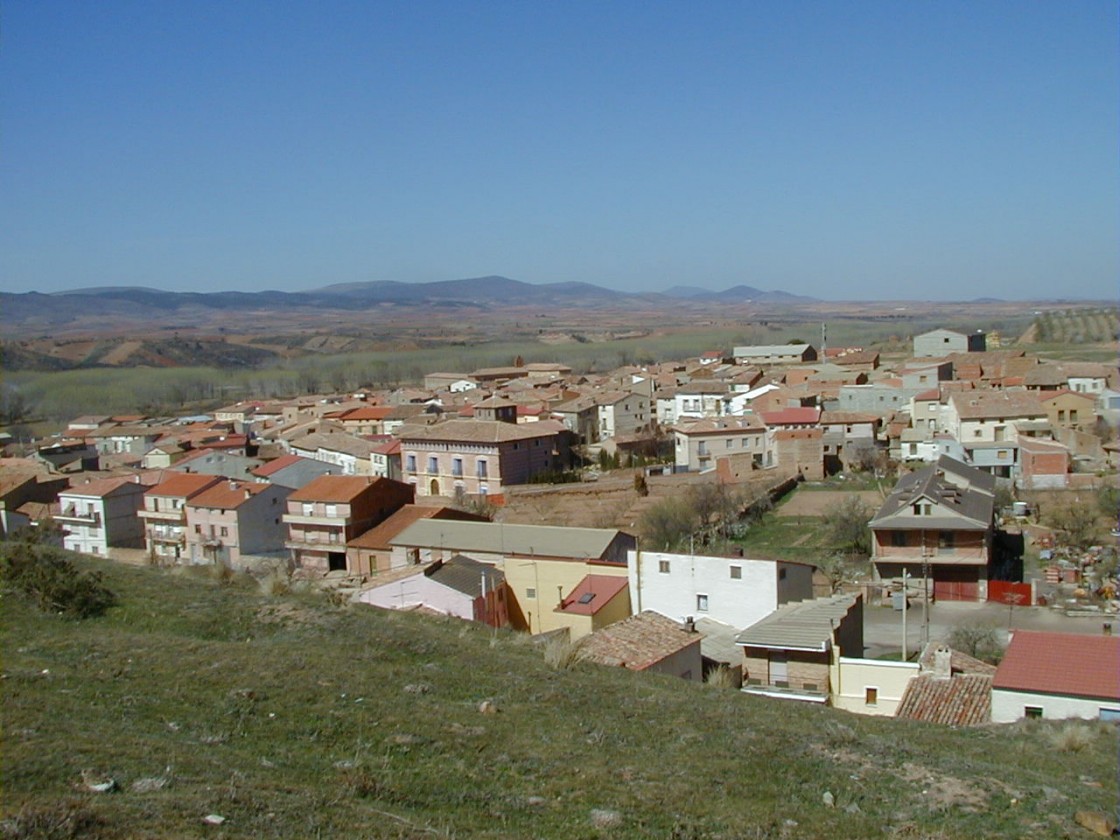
{"x":1057,"y":675}
{"x":100,"y":514}
{"x":737,"y":591}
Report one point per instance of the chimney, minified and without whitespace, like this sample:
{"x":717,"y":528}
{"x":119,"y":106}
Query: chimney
{"x":942,"y":662}
{"x":690,"y":624}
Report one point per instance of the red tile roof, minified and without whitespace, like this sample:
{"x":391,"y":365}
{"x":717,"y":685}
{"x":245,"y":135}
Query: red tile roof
{"x":592,"y":594}
{"x":790,"y":416}
{"x":101,"y":487}
{"x":184,"y":485}
{"x":961,"y":700}
{"x":265,"y":470}
{"x":228,"y":495}
{"x":1061,"y":663}
{"x":333,"y":488}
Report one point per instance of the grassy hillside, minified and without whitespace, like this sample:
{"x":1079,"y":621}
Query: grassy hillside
{"x":292,"y":717}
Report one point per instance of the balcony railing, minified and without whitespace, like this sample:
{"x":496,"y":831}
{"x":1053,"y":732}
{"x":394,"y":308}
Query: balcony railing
{"x":71,"y":514}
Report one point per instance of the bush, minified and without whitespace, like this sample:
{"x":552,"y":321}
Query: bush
{"x":1072,"y":737}
{"x":51,"y":579}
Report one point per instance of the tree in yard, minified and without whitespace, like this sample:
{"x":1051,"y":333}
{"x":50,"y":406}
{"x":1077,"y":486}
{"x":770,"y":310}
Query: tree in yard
{"x":978,"y":641}
{"x":846,"y":528}
{"x":668,"y":524}
{"x":1075,"y":524}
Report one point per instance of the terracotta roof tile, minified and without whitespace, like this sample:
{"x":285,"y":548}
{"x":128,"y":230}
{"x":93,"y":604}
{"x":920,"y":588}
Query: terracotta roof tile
{"x":228,"y":495}
{"x":184,"y":485}
{"x":963,"y":700}
{"x":637,"y":642}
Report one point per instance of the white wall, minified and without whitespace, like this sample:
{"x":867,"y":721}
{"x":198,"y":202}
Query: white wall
{"x":739,"y":602}
{"x":849,"y":687}
{"x":1008,"y":706}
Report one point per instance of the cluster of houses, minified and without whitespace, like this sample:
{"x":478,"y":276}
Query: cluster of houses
{"x":372,"y":486}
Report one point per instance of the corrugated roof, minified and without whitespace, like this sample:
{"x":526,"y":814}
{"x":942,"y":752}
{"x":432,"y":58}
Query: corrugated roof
{"x":1061,"y":663}
{"x":803,"y":625}
{"x":637,"y":642}
{"x":500,"y":538}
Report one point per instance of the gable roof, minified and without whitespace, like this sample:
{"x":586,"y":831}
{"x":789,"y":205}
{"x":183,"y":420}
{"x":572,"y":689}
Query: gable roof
{"x":988,"y":405}
{"x":637,"y":642}
{"x":1061,"y":663}
{"x":791,"y":416}
{"x":964,"y":496}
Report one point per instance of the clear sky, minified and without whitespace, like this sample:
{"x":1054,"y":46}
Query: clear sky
{"x":844,"y":150}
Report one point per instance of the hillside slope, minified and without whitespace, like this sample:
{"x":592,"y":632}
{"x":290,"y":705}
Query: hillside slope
{"x":288,"y":716}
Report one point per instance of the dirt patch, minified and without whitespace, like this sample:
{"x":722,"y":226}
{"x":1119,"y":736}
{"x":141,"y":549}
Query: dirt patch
{"x":816,"y":502}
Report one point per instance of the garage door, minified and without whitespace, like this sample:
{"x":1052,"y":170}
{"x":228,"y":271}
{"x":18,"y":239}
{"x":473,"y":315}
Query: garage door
{"x":956,"y":584}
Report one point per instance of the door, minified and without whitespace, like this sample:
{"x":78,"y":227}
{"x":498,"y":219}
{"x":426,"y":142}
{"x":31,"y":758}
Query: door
{"x":779,"y":668}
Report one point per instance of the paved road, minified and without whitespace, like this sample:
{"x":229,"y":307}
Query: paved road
{"x":882,"y":626}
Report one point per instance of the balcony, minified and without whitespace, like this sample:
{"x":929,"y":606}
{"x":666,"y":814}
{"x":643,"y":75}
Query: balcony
{"x":71,"y":514}
{"x":171,"y":517}
{"x":167,"y":538}
{"x":339,"y":520}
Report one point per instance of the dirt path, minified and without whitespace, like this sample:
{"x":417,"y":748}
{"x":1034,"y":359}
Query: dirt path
{"x":816,"y":502}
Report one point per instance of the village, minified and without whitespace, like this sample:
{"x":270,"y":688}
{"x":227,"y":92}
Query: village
{"x":532,"y":498}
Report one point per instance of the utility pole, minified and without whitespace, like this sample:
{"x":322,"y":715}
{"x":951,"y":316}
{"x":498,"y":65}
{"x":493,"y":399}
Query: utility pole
{"x":905,"y":587}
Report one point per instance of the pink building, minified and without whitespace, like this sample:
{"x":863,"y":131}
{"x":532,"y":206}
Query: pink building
{"x":235,"y":518}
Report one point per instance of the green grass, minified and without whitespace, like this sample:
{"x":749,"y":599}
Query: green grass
{"x":785,"y":538}
{"x":291,"y":717}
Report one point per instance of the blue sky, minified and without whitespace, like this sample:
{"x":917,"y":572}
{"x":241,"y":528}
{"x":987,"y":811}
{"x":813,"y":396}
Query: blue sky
{"x":863,"y":150}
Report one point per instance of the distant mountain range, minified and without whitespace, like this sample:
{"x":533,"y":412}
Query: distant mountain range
{"x":492,"y":291}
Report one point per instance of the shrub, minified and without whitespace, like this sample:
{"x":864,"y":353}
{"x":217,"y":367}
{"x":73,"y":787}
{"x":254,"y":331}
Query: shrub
{"x":51,"y":579}
{"x":1072,"y":737}
{"x":561,"y":654}
{"x":720,"y":677}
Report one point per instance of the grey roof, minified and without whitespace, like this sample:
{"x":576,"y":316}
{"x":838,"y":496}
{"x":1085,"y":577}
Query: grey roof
{"x":963,"y":499}
{"x":771,"y":350}
{"x":803,"y":625}
{"x":718,"y":641}
{"x":499,"y":538}
{"x":464,"y":574}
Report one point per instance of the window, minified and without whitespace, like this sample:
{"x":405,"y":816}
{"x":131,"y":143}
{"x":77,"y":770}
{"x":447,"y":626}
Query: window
{"x":1032,"y":711}
{"x":945,"y":539}
{"x":781,"y":574}
{"x":871,"y":696}
{"x":663,"y":566}
{"x":898,"y":539}
{"x":456,"y":466}
{"x":481,"y":469}
{"x":410,"y":463}
{"x":308,"y":509}
{"x":702,"y":603}
{"x":332,"y":510}
{"x":1073,"y":415}
{"x":977,"y":433}
{"x":530,"y":593}
{"x":1061,"y":415}
{"x":198,"y":529}
{"x":587,"y":597}
{"x":736,"y":572}
{"x":702,"y":448}
{"x":225,"y":531}
{"x":433,"y":465}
